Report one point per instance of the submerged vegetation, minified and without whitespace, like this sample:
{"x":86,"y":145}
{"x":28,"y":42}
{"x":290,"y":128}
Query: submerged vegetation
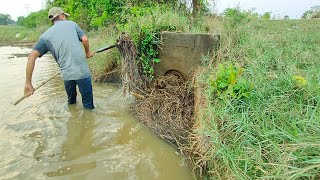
{"x":257,"y":100}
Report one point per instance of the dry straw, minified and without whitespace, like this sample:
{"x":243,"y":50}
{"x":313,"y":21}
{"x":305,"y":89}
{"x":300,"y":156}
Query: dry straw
{"x":165,"y":105}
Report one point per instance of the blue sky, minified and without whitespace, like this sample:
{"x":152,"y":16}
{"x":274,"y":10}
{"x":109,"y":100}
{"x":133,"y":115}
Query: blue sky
{"x":293,"y":8}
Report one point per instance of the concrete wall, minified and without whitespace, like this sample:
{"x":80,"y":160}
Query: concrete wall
{"x":182,"y":52}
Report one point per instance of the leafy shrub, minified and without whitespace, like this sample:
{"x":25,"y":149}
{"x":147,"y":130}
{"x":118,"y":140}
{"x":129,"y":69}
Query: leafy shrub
{"x":148,"y":52}
{"x":266,"y":16}
{"x":236,"y":16}
{"x":228,"y":83}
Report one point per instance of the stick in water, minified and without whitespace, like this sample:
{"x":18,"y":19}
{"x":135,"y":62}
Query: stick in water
{"x":43,"y":83}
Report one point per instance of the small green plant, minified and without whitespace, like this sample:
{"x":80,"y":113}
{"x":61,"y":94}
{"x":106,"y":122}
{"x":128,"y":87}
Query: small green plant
{"x":148,"y":52}
{"x":227,"y":82}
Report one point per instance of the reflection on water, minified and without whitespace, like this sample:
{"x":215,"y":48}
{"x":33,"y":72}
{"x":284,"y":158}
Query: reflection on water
{"x":45,"y":138}
{"x":79,"y":141}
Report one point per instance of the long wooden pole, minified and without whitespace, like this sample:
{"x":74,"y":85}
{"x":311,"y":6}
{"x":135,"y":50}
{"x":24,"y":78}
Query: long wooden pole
{"x":41,"y":84}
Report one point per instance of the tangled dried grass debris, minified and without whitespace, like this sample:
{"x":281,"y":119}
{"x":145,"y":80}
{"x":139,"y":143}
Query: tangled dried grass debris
{"x":166,"y":105}
{"x":168,"y":109}
{"x":130,"y":75}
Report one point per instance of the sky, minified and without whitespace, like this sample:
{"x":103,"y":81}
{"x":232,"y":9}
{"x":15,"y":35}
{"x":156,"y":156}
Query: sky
{"x":292,"y":8}
{"x":18,"y":8}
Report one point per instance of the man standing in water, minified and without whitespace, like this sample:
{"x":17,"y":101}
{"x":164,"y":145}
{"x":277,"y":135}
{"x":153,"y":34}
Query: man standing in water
{"x":63,"y":41}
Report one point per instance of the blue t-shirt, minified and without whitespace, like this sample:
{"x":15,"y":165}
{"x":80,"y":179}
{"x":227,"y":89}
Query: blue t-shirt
{"x":63,"y":41}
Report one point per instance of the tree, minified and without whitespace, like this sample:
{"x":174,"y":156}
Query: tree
{"x":5,"y":19}
{"x":315,"y":8}
{"x":306,"y":14}
{"x":96,"y":13}
{"x":196,"y":6}
{"x":313,"y":12}
{"x":286,"y":17}
{"x":34,"y":19}
{"x":316,"y":15}
{"x":20,"y":21}
{"x":266,"y":15}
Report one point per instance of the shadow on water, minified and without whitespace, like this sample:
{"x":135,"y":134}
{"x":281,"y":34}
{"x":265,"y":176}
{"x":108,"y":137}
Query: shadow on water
{"x":79,"y":142}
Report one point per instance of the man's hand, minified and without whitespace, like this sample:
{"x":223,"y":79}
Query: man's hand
{"x":28,"y":89}
{"x":89,"y":54}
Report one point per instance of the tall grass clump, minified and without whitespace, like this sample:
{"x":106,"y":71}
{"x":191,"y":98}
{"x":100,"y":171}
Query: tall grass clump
{"x":261,"y":119}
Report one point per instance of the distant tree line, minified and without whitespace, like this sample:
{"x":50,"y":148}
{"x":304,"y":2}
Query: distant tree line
{"x":5,"y":19}
{"x":34,"y":19}
{"x":313,"y":12}
{"x":91,"y":14}
{"x":96,"y":13}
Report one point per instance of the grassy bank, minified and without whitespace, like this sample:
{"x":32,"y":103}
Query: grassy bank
{"x":262,"y":120}
{"x":12,"y":35}
{"x":258,"y":110}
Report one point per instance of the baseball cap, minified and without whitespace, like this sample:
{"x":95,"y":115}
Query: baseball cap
{"x":56,"y":11}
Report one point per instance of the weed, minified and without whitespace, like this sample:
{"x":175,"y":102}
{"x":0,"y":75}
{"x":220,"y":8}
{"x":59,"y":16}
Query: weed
{"x":228,"y":83}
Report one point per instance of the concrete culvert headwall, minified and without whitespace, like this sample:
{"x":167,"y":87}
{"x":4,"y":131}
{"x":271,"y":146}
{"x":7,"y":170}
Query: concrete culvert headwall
{"x":183,"y":52}
{"x":179,"y":54}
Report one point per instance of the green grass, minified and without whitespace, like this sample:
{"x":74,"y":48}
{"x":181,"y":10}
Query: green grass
{"x":12,"y":34}
{"x":274,"y":134}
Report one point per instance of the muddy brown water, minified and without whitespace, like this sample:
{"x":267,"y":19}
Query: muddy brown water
{"x":45,"y":138}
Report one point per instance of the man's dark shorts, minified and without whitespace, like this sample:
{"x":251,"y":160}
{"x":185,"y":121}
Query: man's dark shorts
{"x":85,"y":88}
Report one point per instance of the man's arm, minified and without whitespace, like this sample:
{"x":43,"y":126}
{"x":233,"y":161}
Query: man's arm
{"x":28,"y":88}
{"x":85,"y":42}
